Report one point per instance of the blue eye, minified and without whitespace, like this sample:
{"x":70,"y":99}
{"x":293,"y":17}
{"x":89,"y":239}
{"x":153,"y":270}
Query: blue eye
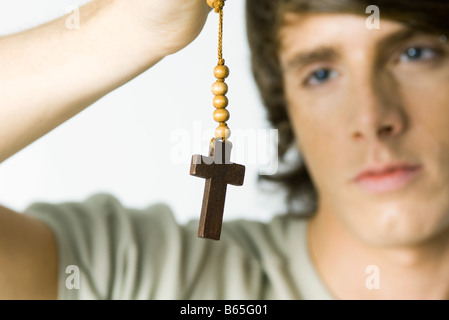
{"x":320,"y":76}
{"x":417,"y":54}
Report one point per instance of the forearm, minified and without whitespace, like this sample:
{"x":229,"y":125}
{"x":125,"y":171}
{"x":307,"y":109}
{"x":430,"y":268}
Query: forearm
{"x":50,"y":73}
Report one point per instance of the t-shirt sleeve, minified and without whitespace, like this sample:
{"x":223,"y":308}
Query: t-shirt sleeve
{"x":107,"y":251}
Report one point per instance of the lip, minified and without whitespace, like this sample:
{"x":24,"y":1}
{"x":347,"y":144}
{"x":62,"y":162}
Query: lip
{"x":387,"y":178}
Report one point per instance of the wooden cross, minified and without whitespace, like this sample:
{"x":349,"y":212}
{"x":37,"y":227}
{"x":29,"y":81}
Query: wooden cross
{"x":218,"y":172}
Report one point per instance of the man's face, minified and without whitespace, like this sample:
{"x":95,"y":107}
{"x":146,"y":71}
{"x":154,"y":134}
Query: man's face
{"x":370,"y":110}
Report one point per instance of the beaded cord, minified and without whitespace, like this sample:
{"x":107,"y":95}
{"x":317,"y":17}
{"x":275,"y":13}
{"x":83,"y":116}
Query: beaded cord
{"x":221,"y":72}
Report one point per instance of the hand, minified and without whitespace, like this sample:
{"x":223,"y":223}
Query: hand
{"x":171,"y":24}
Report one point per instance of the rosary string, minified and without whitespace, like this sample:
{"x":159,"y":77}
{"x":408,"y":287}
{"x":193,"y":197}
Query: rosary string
{"x":220,"y":37}
{"x":220,"y":88}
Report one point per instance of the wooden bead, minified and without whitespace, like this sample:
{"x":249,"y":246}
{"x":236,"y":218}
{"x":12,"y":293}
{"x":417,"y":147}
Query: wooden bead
{"x":221,"y":72}
{"x":221,"y":115}
{"x":222,"y":131}
{"x":220,"y":102}
{"x":219,"y":88}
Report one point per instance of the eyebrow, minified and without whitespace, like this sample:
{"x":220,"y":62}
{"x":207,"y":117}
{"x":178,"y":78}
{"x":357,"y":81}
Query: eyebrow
{"x":398,"y":36}
{"x":300,"y":59}
{"x":329,"y":53}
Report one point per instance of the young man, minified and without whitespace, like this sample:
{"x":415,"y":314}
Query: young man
{"x":367,"y":109}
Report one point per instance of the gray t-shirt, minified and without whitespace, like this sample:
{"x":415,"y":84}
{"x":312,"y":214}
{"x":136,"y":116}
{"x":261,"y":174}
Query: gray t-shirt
{"x":121,"y":253}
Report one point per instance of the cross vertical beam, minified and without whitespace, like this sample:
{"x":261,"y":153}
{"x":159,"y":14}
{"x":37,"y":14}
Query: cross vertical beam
{"x":218,"y":171}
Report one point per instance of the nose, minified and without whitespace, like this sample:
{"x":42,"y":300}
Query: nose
{"x":377,"y":112}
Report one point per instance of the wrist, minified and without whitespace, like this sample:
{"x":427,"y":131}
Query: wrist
{"x":158,"y":28}
{"x":126,"y":39}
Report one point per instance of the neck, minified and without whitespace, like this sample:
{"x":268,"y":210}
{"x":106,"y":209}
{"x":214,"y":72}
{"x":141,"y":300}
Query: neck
{"x":353,"y":269}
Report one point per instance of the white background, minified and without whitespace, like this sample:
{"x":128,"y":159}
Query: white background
{"x":128,"y":143}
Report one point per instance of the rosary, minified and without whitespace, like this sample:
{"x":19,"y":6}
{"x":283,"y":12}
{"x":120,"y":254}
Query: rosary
{"x":217,"y":169}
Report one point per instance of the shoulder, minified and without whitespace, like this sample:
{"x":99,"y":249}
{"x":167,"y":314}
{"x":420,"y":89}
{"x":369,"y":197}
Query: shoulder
{"x":268,"y":240}
{"x":103,"y":213}
{"x":113,"y":245}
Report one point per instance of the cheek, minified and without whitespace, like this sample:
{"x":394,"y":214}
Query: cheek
{"x":425,"y":96}
{"x":428,"y":135}
{"x":318,"y":134}
{"x":428,"y":113}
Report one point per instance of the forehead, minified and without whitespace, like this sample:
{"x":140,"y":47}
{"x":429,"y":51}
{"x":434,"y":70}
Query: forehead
{"x":301,"y":32}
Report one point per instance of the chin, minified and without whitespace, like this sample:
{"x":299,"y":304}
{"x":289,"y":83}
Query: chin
{"x":397,"y":224}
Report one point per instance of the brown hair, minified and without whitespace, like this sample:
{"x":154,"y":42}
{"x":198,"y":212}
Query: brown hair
{"x":264,"y":19}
